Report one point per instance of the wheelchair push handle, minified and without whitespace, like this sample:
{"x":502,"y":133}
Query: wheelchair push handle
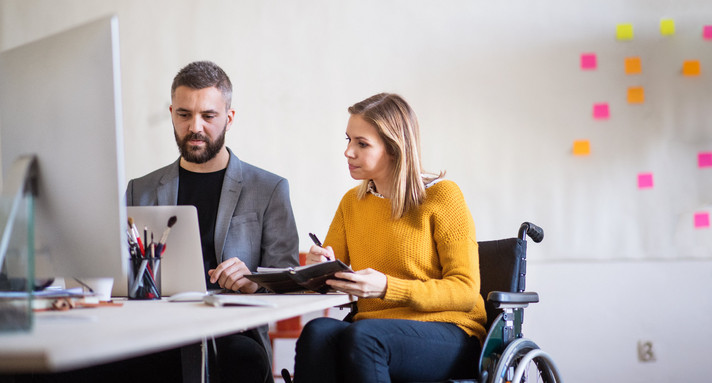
{"x":533,"y":231}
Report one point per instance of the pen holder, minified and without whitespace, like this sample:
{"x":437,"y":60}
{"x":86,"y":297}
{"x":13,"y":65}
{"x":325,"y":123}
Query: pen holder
{"x":145,"y":278}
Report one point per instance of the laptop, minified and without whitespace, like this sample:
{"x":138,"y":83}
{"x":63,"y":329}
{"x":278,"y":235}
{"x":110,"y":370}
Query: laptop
{"x":182,"y":261}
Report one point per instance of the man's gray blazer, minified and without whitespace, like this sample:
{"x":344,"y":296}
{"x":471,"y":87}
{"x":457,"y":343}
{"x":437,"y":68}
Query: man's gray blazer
{"x":255,"y":221}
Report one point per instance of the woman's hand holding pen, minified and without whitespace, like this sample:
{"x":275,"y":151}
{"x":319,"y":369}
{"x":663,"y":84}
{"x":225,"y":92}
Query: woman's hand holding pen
{"x":367,"y":283}
{"x":319,"y":254}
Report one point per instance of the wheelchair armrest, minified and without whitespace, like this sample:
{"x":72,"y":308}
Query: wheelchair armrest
{"x":502,"y":299}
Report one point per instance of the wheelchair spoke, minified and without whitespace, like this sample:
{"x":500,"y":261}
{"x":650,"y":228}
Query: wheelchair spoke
{"x":523,"y":361}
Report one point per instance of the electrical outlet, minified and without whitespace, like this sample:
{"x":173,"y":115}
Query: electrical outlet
{"x":645,"y":351}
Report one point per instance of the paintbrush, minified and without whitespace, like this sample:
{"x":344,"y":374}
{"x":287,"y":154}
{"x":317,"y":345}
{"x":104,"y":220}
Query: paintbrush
{"x":162,"y":243}
{"x":132,"y":227}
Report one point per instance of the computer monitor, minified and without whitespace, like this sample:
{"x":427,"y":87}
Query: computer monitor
{"x":60,"y":99}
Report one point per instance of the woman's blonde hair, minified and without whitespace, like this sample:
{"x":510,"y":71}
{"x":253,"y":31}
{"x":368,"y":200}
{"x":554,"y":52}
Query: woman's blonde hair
{"x":397,"y":125}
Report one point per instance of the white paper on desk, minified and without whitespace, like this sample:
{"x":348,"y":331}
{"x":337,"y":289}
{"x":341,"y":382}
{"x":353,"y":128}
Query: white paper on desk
{"x":235,"y":300}
{"x":76,"y":292}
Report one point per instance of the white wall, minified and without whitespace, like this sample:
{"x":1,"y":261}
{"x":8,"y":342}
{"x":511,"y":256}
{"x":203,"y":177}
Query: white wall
{"x":500,"y":97}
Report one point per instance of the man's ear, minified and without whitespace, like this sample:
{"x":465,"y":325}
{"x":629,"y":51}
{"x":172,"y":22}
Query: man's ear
{"x":230,"y":118}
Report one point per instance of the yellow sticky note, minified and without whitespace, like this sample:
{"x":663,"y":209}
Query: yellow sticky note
{"x":691,"y":68}
{"x":667,"y":27}
{"x":636,"y":95}
{"x":632,"y":65}
{"x":624,"y":32}
{"x":582,"y":148}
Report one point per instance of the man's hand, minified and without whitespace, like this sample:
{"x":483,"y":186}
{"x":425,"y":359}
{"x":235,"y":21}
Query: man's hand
{"x":367,"y":283}
{"x":231,"y":275}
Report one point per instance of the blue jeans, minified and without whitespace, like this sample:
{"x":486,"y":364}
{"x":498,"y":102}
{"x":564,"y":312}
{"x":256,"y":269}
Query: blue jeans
{"x":384,"y":350}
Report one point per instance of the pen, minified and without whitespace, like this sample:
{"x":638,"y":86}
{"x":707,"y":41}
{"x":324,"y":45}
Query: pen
{"x":153,"y":247}
{"x":318,"y":243}
{"x":315,"y":239}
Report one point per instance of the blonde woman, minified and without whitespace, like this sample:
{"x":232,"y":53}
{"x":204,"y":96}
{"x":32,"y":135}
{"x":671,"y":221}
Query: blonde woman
{"x":410,"y":238}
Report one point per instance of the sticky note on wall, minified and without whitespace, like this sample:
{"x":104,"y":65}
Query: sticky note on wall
{"x":636,"y":95}
{"x":624,"y":32}
{"x":704,"y":159}
{"x":645,"y":180}
{"x":707,"y":32}
{"x":691,"y":68}
{"x":601,"y":111}
{"x":582,"y":147}
{"x":667,"y":27}
{"x":588,"y":61}
{"x":633,"y":65}
{"x":702,"y":220}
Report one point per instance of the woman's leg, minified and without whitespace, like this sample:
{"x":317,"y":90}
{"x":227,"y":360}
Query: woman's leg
{"x":316,"y":359}
{"x":378,"y":350}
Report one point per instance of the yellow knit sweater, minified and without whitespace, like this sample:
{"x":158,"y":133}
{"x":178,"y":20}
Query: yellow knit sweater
{"x":429,"y":255}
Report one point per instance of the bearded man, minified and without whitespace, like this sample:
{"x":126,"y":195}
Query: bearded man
{"x":244,"y":212}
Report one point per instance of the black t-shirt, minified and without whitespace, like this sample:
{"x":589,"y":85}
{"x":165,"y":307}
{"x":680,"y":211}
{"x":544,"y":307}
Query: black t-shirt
{"x":202,"y":190}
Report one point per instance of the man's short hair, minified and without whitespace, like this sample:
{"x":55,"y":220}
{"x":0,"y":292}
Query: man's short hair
{"x":201,"y":75}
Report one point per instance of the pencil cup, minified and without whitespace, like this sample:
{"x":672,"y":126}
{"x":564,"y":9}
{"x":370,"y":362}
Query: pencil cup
{"x":145,"y":278}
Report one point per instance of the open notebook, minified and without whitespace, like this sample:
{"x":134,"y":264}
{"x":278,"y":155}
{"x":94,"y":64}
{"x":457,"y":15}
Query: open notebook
{"x":182,"y":261}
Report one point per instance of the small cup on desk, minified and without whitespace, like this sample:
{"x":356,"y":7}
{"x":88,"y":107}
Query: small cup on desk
{"x":144,"y":278}
{"x":101,"y":286}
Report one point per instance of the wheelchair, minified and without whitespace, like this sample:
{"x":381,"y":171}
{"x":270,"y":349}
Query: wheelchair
{"x":506,"y":355}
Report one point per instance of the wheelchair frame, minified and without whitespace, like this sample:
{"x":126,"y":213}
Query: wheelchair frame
{"x":505,"y":352}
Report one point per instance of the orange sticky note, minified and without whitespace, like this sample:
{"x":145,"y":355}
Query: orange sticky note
{"x":691,"y":68}
{"x":636,"y":95}
{"x":582,"y":148}
{"x":624,"y":32}
{"x":632,"y":65}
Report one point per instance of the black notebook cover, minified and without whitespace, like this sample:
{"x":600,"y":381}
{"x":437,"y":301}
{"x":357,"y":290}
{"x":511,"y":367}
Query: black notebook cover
{"x":310,"y":277}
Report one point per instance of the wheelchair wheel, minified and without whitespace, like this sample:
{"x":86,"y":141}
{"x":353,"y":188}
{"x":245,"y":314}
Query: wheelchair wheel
{"x":523,"y":361}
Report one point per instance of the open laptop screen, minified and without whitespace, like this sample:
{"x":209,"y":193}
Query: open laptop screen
{"x":182,"y":261}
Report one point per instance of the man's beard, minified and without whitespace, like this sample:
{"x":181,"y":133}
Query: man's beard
{"x":194,"y":154}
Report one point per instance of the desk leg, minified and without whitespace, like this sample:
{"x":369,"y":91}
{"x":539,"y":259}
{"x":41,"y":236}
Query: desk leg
{"x":194,"y":360}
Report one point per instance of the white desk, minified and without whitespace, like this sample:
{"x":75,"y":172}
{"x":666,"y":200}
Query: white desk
{"x":80,"y":338}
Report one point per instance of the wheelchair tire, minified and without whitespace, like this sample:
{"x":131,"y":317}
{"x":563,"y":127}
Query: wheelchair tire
{"x":545,"y":361}
{"x":539,"y":369}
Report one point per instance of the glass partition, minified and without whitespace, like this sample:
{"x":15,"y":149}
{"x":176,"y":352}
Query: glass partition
{"x":17,"y":258}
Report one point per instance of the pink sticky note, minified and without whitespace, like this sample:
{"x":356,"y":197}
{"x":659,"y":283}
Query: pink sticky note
{"x":601,"y":111}
{"x":645,"y":180}
{"x":704,"y":159}
{"x":588,"y":61}
{"x":702,"y":220}
{"x":707,"y":32}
